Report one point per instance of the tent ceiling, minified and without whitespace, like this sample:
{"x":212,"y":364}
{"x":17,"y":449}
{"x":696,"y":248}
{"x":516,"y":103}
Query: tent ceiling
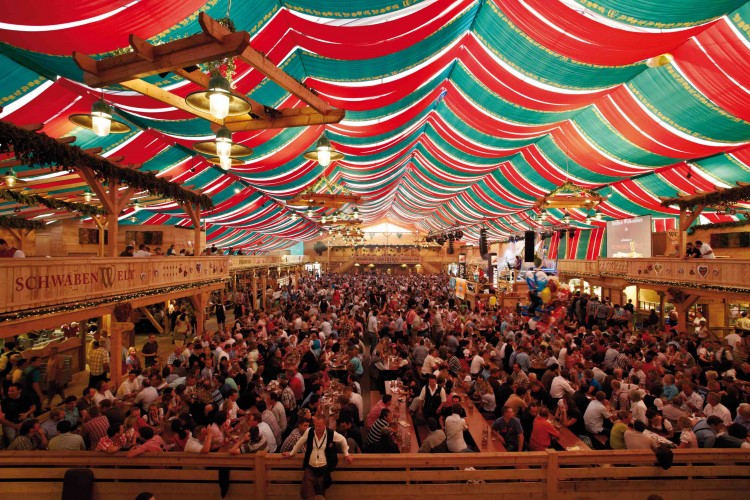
{"x":457,"y":110}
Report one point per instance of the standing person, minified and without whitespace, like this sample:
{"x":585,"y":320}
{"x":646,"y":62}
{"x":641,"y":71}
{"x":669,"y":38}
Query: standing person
{"x":320,"y":457}
{"x":98,"y":364}
{"x":150,"y":351}
{"x":705,"y":249}
{"x":221,"y":314}
{"x":55,"y":385}
{"x":8,"y":251}
{"x":32,"y":377}
{"x":372,"y":329}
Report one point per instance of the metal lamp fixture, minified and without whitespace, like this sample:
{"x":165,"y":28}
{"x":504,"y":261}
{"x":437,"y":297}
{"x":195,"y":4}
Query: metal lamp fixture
{"x":218,"y":99}
{"x":324,"y":153}
{"x":10,"y":177}
{"x":100,"y":120}
{"x":87,"y":196}
{"x":222,"y":146}
{"x":225,"y":163}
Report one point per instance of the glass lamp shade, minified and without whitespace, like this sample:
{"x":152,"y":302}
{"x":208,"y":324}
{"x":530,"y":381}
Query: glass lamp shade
{"x":10,"y":178}
{"x":223,"y":142}
{"x":101,"y":118}
{"x":225,"y":162}
{"x":324,"y":157}
{"x":218,"y":99}
{"x":324,"y":153}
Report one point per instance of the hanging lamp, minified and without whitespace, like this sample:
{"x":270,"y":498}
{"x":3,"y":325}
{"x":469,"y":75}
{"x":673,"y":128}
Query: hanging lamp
{"x":10,"y":178}
{"x":222,"y":146}
{"x":100,"y":120}
{"x":324,"y":152}
{"x":218,"y":99}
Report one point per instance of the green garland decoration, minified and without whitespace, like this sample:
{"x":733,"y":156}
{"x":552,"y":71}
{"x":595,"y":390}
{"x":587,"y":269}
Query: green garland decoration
{"x":725,"y":196}
{"x":40,"y":149}
{"x":33,"y":200}
{"x":8,"y":222}
{"x":719,"y":225}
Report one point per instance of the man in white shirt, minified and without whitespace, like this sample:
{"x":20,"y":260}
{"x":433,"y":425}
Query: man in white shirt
{"x":201,"y":444}
{"x":430,"y":363}
{"x":255,"y":419}
{"x":129,"y":386}
{"x":455,"y":426}
{"x":714,"y":407}
{"x":706,"y":251}
{"x":147,"y":395}
{"x":142,"y":251}
{"x":356,"y":400}
{"x":476,"y":364}
{"x":560,"y":387}
{"x":319,"y":453}
{"x":597,"y":414}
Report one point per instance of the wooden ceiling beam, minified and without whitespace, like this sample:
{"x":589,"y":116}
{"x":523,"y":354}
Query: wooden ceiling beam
{"x":169,"y":56}
{"x":150,"y":90}
{"x":292,"y":117}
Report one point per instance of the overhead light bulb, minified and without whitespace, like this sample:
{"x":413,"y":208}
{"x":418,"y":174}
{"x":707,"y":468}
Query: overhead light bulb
{"x":132,"y":218}
{"x":87,"y":196}
{"x":294,"y":216}
{"x":335,"y":218}
{"x":566,"y":219}
{"x":310,"y":212}
{"x":136,"y":205}
{"x":598,"y":216}
{"x":225,"y":162}
{"x":218,"y":96}
{"x":324,"y":157}
{"x":10,"y":178}
{"x":324,"y":219}
{"x":237,"y":190}
{"x":223,"y":143}
{"x":101,"y":118}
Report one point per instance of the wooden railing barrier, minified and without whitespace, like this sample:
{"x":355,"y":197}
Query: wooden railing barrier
{"x":549,"y":475}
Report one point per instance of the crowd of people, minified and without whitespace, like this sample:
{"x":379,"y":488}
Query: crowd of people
{"x":264,"y":380}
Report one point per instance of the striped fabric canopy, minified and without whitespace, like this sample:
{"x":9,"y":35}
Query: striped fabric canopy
{"x":457,"y":111}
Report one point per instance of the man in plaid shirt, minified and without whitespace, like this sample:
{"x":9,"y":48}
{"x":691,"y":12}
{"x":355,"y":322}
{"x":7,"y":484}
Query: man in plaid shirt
{"x":98,"y":364}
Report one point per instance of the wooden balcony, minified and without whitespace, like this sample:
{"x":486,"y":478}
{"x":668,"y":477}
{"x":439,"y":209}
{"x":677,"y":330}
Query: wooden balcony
{"x":38,"y":283}
{"x":244,"y":262}
{"x":722,"y":275}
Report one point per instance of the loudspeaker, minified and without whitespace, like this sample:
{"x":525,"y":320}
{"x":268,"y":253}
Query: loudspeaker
{"x":483,"y":243}
{"x":528,"y":250}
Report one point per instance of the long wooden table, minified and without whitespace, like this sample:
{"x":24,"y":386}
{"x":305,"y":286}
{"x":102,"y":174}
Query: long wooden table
{"x":477,"y":424}
{"x":404,"y":416}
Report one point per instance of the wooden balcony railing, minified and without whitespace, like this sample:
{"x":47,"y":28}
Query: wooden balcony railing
{"x":39,"y":282}
{"x":240,"y":262}
{"x":548,"y":475}
{"x":716,"y":274}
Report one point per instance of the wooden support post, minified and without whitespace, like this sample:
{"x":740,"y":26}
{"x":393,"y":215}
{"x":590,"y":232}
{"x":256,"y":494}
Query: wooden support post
{"x":686,"y":219}
{"x":263,"y":295}
{"x":260,"y":475}
{"x":553,"y":474}
{"x":254,"y":302}
{"x":152,"y":320}
{"x":167,"y":329}
{"x":682,"y":311}
{"x":199,"y":304}
{"x":101,"y":223}
{"x":116,"y":339}
{"x":661,"y":307}
{"x":194,"y":212}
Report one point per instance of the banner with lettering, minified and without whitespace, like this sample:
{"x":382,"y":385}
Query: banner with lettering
{"x":462,"y":265}
{"x":494,"y":271}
